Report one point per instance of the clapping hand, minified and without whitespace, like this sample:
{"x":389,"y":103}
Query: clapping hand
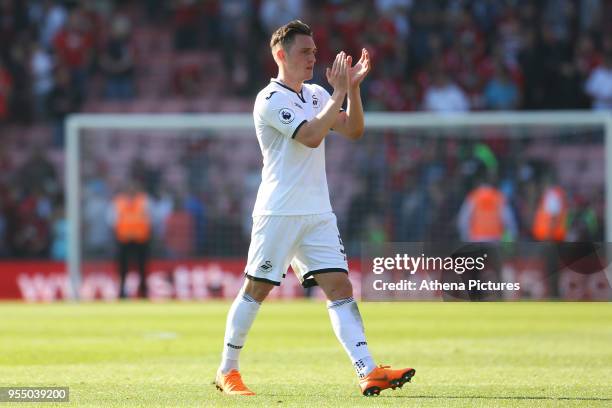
{"x":358,"y":72}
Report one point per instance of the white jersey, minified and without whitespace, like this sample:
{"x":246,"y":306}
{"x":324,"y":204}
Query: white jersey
{"x":293,"y":176}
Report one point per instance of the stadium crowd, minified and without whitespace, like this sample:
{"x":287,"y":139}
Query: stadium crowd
{"x":59,"y":57}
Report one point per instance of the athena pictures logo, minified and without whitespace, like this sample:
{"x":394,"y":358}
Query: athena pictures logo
{"x":286,"y":115}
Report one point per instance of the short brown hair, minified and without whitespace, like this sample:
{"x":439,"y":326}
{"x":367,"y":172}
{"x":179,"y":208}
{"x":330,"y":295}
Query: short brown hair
{"x":286,"y":34}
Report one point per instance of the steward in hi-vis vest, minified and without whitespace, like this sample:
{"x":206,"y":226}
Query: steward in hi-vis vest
{"x":130,"y":219}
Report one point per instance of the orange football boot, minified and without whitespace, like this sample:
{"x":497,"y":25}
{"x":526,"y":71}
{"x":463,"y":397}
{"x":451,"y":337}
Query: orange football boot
{"x":231,"y":383}
{"x":383,"y":377}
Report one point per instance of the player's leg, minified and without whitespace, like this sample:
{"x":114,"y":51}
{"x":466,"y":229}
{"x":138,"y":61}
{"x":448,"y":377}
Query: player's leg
{"x":141,"y":251}
{"x":240,"y":318}
{"x":346,"y":320}
{"x":123,"y":264}
{"x":269,"y":253}
{"x":321,"y":260}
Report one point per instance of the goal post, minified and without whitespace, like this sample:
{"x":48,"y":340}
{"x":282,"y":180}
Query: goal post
{"x":450,"y":125}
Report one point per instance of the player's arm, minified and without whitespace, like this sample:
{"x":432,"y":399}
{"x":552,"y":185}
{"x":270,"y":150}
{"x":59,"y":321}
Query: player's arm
{"x":313,"y":132}
{"x":351,"y":123}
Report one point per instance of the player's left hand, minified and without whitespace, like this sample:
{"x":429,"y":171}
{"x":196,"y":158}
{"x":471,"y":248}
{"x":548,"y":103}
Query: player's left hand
{"x":359,"y":71}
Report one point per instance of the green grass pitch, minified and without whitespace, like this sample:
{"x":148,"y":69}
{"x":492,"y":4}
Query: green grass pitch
{"x":165,"y":354}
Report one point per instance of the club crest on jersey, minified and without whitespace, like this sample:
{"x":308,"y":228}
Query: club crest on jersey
{"x":265,"y":267}
{"x":286,"y":115}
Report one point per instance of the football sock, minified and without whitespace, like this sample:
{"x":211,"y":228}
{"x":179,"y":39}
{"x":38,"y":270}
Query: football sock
{"x":239,"y":320}
{"x":348,"y":326}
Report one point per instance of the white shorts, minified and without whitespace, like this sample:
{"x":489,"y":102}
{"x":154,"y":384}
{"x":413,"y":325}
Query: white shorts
{"x":311,"y":244}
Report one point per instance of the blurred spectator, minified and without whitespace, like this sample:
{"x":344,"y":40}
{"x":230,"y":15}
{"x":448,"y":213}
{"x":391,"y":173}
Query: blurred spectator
{"x":599,"y":85}
{"x":396,"y":10}
{"x":21,"y":100}
{"x":37,"y":173}
{"x":551,"y":53}
{"x":73,"y":45}
{"x":156,"y":10}
{"x":374,"y":230}
{"x":49,"y":16}
{"x":426,"y":16}
{"x":590,"y":12}
{"x":187,"y":22}
{"x":275,"y":13}
{"x":443,"y":95}
{"x":62,"y":100}
{"x":550,"y":221}
{"x":414,"y":211}
{"x":13,"y":21}
{"x":178,"y":238}
{"x":500,"y":92}
{"x":485,"y":215}
{"x":117,"y":61}
{"x":212,"y":22}
{"x":59,"y":231}
{"x":237,"y":34}
{"x":32,"y":235}
{"x":196,"y":208}
{"x":96,"y":234}
{"x":161,"y":206}
{"x":188,"y":77}
{"x":555,"y":53}
{"x":583,"y":223}
{"x":362,"y":205}
{"x":41,"y":66}
{"x":4,"y":251}
{"x":6,"y":88}
{"x":587,"y":57}
{"x":145,"y":175}
{"x":391,"y":94}
{"x":531,"y":63}
{"x":573,"y":74}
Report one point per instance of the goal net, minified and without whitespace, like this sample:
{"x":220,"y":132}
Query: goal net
{"x":404,"y":181}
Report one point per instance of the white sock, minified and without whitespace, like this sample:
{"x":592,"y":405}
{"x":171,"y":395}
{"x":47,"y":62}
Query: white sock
{"x":348,"y":326}
{"x":239,"y":320}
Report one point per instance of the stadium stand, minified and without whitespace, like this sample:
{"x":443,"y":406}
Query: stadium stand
{"x":211,"y":56}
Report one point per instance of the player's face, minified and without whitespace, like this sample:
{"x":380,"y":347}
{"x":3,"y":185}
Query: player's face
{"x":300,"y":58}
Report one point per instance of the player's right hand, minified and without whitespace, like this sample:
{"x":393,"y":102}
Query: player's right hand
{"x":338,"y":74}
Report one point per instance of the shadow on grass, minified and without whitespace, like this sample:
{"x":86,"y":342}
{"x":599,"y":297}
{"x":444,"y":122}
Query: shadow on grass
{"x":518,"y":397}
{"x":462,"y":397}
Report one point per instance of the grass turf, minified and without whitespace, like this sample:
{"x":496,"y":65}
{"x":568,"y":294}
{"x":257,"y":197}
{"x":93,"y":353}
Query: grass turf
{"x":165,"y":354}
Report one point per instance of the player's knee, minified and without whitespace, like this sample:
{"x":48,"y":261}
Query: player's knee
{"x":257,"y":290}
{"x":342,"y":292}
{"x":337,"y":288}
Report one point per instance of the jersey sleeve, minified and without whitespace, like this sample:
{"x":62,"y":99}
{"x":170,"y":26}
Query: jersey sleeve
{"x":279,"y":112}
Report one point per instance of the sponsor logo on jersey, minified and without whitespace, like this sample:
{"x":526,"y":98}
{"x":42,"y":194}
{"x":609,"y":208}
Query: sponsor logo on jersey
{"x":286,"y":115}
{"x":315,"y":101}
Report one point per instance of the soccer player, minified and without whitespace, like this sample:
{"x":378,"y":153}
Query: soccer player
{"x":293,"y":222}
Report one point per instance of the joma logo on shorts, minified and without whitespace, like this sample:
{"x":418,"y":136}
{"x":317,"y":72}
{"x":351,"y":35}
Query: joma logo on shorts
{"x":361,"y":343}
